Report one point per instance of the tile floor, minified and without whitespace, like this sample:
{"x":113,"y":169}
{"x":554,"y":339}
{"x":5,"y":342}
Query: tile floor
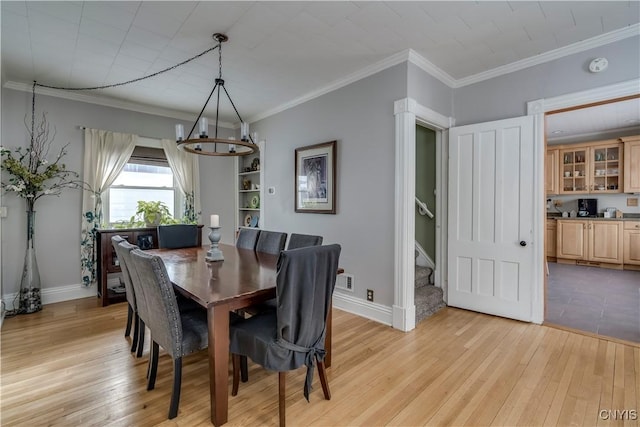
{"x":597,"y":300}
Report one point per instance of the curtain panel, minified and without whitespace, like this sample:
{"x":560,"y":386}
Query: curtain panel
{"x":105,"y":155}
{"x":186,"y":170}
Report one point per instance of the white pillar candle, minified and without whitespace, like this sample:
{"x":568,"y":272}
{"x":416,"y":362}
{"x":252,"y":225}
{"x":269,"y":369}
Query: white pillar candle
{"x":215,"y":220}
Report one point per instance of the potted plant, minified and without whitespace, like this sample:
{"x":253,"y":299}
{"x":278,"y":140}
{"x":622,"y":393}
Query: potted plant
{"x":152,"y":213}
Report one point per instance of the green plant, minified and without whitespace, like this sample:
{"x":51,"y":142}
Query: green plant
{"x":152,"y":213}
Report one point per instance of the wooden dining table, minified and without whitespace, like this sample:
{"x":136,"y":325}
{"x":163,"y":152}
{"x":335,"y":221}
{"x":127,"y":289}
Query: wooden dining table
{"x":243,"y":279}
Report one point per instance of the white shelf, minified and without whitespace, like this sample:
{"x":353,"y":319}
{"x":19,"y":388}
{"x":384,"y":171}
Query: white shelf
{"x":243,"y":197}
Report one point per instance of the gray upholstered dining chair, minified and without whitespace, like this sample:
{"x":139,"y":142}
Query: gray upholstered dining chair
{"x":175,"y":236}
{"x":294,"y":334}
{"x":132,"y":306}
{"x":271,"y":242}
{"x":179,"y":333}
{"x":303,"y":240}
{"x":123,"y":250}
{"x":247,"y":238}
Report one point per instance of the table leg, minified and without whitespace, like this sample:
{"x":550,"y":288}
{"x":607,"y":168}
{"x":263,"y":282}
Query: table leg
{"x":327,"y":339}
{"x":218,"y":319}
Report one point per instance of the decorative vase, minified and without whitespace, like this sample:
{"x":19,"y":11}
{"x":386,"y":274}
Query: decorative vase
{"x":30,"y":301}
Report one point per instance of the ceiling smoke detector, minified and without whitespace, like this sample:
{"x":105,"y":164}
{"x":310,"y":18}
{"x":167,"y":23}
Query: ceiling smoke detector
{"x":598,"y":65}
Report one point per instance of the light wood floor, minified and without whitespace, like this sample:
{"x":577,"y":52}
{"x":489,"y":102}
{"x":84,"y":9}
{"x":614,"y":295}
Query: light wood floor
{"x":70,"y":365}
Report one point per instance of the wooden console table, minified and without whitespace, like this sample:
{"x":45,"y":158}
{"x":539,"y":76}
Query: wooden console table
{"x":108,"y":263}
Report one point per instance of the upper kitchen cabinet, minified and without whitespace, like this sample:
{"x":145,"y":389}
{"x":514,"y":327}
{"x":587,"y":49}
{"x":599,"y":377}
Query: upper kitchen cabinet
{"x":551,"y":172}
{"x":631,"y":164}
{"x":595,"y":167}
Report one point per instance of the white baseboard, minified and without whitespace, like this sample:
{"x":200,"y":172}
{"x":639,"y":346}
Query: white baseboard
{"x":53,"y":295}
{"x":370,"y":310}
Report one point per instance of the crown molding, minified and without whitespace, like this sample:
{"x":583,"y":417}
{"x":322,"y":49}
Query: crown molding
{"x":107,"y":102}
{"x":421,"y":62}
{"x":408,"y":55}
{"x":388,"y":62}
{"x":597,"y":41}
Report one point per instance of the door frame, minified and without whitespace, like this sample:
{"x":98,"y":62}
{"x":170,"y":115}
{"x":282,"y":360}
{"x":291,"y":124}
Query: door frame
{"x":539,"y":108}
{"x":408,"y":113}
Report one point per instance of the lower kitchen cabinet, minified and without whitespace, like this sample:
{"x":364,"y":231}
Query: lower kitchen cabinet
{"x":590,"y":242}
{"x":552,"y":229}
{"x":632,"y":243}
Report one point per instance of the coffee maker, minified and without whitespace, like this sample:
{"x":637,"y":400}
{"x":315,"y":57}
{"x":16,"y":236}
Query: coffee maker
{"x":588,"y":207}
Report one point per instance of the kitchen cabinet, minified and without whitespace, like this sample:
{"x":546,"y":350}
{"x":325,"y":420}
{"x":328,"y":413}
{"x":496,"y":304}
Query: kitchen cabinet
{"x":631,"y":164}
{"x":631,"y":248}
{"x":551,"y":246}
{"x":249,"y":189}
{"x":591,"y":241}
{"x":591,"y":168}
{"x":571,"y":239}
{"x":551,"y":172}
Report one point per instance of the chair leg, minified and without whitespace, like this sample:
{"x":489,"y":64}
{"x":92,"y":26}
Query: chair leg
{"x":235,"y":362}
{"x":281,"y":397}
{"x":136,"y":329}
{"x":175,"y":394}
{"x":323,"y":379}
{"x":127,"y":330}
{"x":244,"y":369}
{"x":141,"y":327}
{"x":153,"y":365}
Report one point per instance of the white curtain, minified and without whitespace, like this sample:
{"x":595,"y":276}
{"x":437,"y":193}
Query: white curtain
{"x":187,"y":172}
{"x":105,"y":154}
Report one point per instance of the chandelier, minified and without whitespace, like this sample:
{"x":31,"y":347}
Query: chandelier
{"x":204,"y":145}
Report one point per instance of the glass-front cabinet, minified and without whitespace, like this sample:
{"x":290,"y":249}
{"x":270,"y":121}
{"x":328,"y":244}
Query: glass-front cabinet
{"x":591,"y":168}
{"x":606,"y":169}
{"x":574,"y":170}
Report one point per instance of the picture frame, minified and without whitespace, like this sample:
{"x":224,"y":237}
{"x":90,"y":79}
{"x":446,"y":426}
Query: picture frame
{"x":315,"y":178}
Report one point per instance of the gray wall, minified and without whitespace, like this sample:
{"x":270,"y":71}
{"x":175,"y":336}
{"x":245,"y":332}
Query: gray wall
{"x":425,"y":186}
{"x":58,"y":219}
{"x":507,"y":96}
{"x":429,"y":91}
{"x":360,"y":117}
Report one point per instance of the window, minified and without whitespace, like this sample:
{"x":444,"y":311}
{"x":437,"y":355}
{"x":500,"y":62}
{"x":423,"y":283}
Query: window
{"x":147,"y":176}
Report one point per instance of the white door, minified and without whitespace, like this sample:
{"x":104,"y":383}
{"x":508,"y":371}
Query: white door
{"x":491,"y":217}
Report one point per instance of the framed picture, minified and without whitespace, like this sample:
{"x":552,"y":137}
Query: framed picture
{"x":315,"y":179}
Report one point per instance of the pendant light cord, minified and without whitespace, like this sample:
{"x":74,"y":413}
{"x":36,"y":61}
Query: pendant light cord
{"x":133,"y":80}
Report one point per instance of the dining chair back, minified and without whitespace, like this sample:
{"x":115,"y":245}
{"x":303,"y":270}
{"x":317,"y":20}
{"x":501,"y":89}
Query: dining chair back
{"x":175,"y":236}
{"x":294,"y":335}
{"x":271,"y":242}
{"x":303,"y":240}
{"x":178,"y":333}
{"x":247,"y":238}
{"x":132,"y":307}
{"x":123,"y":251}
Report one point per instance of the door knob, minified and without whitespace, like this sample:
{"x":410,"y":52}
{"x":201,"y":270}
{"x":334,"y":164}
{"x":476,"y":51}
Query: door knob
{"x":523,"y":243}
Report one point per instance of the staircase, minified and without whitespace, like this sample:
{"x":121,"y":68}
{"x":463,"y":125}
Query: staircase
{"x":427,"y":297}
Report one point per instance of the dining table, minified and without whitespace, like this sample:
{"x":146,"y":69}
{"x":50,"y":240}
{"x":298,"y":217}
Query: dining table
{"x":244,"y":278}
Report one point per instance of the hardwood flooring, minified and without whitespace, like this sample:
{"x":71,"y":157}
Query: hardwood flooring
{"x":70,"y":365}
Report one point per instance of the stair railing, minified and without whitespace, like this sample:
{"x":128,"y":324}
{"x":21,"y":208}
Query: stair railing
{"x":423,"y":209}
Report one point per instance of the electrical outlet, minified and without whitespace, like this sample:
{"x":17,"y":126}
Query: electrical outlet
{"x":370,"y":295}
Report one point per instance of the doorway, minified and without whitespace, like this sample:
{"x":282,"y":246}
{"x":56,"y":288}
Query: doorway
{"x":590,"y":299}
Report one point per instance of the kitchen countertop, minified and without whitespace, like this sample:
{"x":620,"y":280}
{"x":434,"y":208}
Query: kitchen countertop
{"x":626,"y":217}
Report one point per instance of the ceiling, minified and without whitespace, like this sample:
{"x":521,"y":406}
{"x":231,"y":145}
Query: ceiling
{"x":280,"y":53}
